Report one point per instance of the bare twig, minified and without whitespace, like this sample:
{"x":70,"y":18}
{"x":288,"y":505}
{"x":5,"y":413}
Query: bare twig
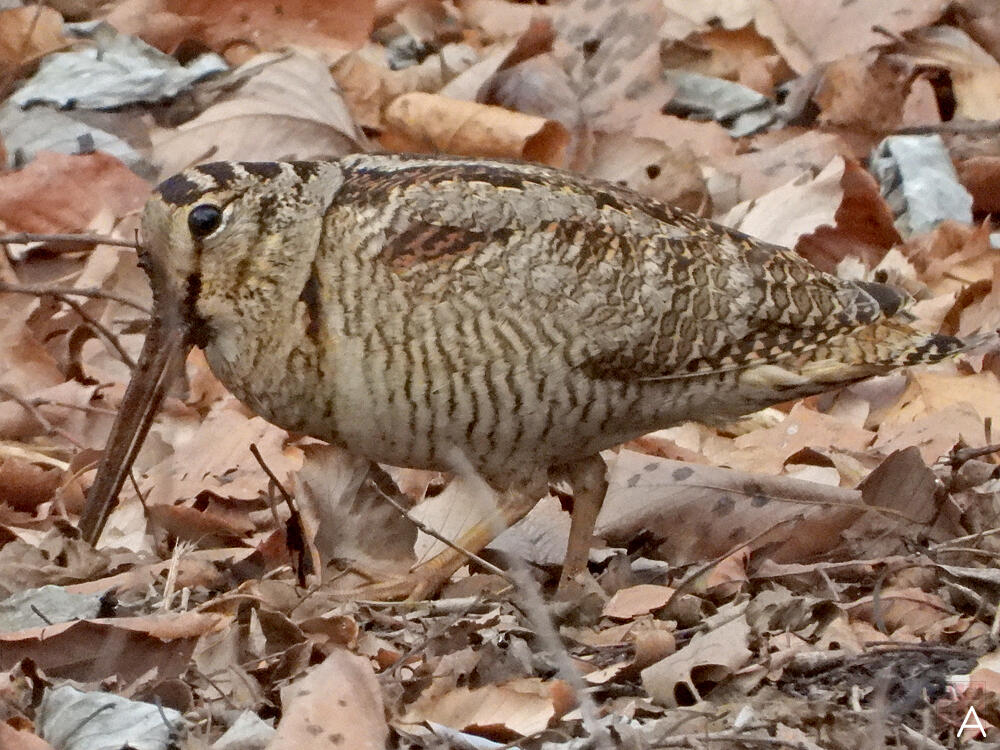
{"x":946,"y":546}
{"x":63,"y":295}
{"x":24,"y":238}
{"x":41,"y":290}
{"x":99,"y":328}
{"x":440,"y":537}
{"x":959,"y":456}
{"x":986,"y":127}
{"x":696,"y":740}
{"x":541,"y":621}
{"x":271,"y":475}
{"x":34,"y":411}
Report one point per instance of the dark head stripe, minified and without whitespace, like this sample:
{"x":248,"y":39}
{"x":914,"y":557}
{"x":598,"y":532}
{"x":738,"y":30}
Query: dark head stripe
{"x":220,"y":171}
{"x":265,"y":169}
{"x":306,"y":170}
{"x":179,"y":190}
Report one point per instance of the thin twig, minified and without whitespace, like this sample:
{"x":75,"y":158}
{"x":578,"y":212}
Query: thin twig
{"x":961,"y":455}
{"x":24,"y":238}
{"x":987,"y":127}
{"x":295,"y":537}
{"x":271,"y":475}
{"x":441,"y":537}
{"x":695,"y":740}
{"x":67,"y":405}
{"x":945,"y":546}
{"x":41,"y":290}
{"x":100,"y":328}
{"x":34,"y":411}
{"x":541,"y":620}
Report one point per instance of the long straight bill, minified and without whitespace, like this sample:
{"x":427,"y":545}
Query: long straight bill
{"x":158,"y":362}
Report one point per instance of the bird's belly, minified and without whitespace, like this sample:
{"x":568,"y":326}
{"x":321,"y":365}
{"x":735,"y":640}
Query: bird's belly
{"x":503,"y":418}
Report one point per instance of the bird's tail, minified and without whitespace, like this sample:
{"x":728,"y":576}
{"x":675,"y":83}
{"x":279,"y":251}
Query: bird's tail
{"x":841,"y":359}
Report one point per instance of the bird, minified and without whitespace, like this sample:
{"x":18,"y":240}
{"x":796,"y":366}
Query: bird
{"x":514,"y":319}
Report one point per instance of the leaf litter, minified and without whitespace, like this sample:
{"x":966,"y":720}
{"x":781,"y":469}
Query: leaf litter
{"x":819,"y":574}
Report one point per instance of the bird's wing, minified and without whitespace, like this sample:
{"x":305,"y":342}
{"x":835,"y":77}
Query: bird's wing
{"x":615,"y":282}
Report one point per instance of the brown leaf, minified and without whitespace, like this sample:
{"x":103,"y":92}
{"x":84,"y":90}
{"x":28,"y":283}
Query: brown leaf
{"x":153,"y":23}
{"x":637,"y":600}
{"x":980,"y":175}
{"x":861,"y":93}
{"x":368,"y":84}
{"x":807,"y":32}
{"x":864,"y":224}
{"x":20,"y":739}
{"x":27,"y":485}
{"x":793,"y":210}
{"x":773,"y":161}
{"x":974,"y":73}
{"x":345,"y":518}
{"x":651,"y":167}
{"x":613,"y":59}
{"x":767,"y":450}
{"x":328,"y":27}
{"x":87,"y":650}
{"x":701,"y":512}
{"x":913,"y":610}
{"x":904,"y":483}
{"x":29,"y":33}
{"x":431,"y":123}
{"x":60,"y":193}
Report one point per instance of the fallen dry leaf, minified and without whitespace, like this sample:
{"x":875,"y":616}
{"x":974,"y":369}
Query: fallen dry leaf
{"x":637,"y":600}
{"x":93,"y":650}
{"x":514,"y":709}
{"x":60,"y":193}
{"x":432,"y":123}
{"x":29,"y":33}
{"x":345,"y":518}
{"x":709,"y":657}
{"x":700,"y":512}
{"x":289,"y":109}
{"x":795,"y":209}
{"x":21,"y":739}
{"x":332,"y":27}
{"x":612,"y":59}
{"x":975,"y":74}
{"x":338,"y":701}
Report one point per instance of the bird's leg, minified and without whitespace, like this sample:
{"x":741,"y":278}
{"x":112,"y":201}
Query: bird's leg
{"x":426,"y":578}
{"x":588,"y":479}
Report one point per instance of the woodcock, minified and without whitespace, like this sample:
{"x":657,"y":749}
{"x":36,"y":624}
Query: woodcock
{"x":441,"y":313}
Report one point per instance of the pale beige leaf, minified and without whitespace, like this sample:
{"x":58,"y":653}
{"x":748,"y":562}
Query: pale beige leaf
{"x":712,"y":656}
{"x":337,"y":703}
{"x":637,"y":600}
{"x":522,"y":706}
{"x":795,"y":209}
{"x":290,"y":109}
{"x":650,"y":166}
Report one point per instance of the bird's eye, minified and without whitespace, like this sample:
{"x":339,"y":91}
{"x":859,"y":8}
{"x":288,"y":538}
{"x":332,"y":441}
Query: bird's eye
{"x":204,"y":219}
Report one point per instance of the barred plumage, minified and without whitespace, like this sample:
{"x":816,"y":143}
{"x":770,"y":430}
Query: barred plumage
{"x":415,"y":309}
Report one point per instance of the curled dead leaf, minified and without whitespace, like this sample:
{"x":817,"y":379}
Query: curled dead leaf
{"x":431,"y":123}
